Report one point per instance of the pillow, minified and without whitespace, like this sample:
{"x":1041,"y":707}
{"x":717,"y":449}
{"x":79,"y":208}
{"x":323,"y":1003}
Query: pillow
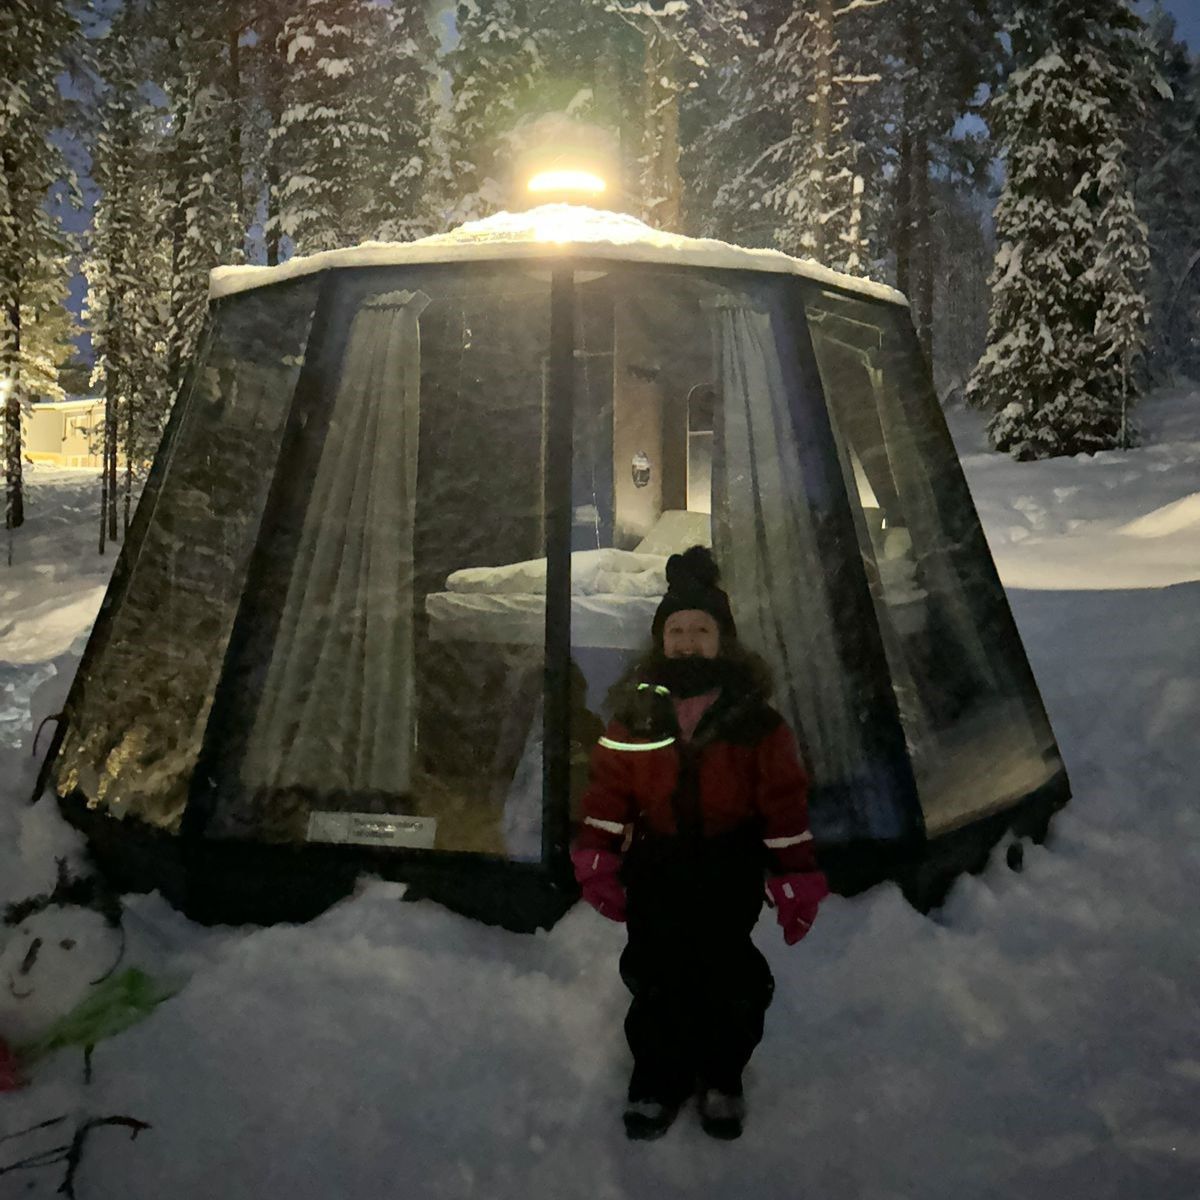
{"x":675,"y":531}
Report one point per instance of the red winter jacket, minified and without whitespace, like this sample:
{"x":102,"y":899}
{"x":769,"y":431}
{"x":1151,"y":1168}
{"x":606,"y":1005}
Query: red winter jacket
{"x":741,"y":768}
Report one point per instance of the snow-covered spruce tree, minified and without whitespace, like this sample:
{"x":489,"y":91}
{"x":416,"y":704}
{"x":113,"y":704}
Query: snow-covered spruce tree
{"x":631,"y":68}
{"x":489,"y":67}
{"x":128,"y":268}
{"x":35,"y":46}
{"x":937,"y":59}
{"x":1067,"y":310}
{"x":780,"y":157}
{"x":670,"y":57}
{"x":680,"y":42}
{"x":397,"y":191}
{"x":517,"y":61}
{"x":198,"y":179}
{"x":1166,"y":165}
{"x":352,"y":139}
{"x":818,"y":188}
{"x":1120,"y":271}
{"x":47,"y":328}
{"x":964,"y":251}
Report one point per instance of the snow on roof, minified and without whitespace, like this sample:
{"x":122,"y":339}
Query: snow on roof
{"x":551,"y":229}
{"x":71,"y":402}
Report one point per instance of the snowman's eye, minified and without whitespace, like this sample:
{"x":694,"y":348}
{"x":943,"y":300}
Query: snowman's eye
{"x":67,"y":943}
{"x":30,"y":957}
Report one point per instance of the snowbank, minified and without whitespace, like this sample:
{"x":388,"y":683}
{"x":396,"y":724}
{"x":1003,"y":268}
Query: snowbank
{"x":1120,"y":519}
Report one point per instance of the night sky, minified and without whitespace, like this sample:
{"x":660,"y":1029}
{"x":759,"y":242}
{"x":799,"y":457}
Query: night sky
{"x":1187,"y":20}
{"x":1185,"y":12}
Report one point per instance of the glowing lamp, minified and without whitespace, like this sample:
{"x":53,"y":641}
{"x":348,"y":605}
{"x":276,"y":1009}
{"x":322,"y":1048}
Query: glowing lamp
{"x":583,"y":183}
{"x":560,"y":160}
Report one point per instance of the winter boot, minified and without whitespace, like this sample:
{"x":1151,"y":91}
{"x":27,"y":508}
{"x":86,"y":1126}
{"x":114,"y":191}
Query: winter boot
{"x":722,"y":1114}
{"x":646,"y":1120}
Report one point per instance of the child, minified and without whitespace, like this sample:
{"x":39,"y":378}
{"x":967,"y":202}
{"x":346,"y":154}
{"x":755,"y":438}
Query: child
{"x":699,"y":778}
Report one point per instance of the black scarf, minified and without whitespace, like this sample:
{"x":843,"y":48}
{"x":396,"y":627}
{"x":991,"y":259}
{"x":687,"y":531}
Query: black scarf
{"x":693,"y":675}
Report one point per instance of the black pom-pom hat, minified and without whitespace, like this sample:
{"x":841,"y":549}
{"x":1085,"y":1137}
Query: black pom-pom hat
{"x":693,"y":583}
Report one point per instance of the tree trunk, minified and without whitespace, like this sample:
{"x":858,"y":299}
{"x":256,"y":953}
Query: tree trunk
{"x":129,"y":412}
{"x":10,"y":357}
{"x":819,"y":188}
{"x":106,"y":500}
{"x":903,"y":194}
{"x":179,"y":168}
{"x":108,"y":474}
{"x":10,"y":372}
{"x":662,"y":186}
{"x":112,"y":479}
{"x":235,"y":126}
{"x":923,"y":249}
{"x":274,"y":102}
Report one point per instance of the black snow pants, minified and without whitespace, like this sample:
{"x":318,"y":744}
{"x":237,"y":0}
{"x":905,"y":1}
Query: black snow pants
{"x":700,"y":987}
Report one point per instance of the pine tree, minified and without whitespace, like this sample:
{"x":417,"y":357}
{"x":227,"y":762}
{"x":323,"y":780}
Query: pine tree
{"x":128,"y":268}
{"x":681,"y":43}
{"x":817,"y":195}
{"x":36,"y":38}
{"x":1066,"y":311}
{"x":786,"y":151}
{"x":401,"y":79}
{"x":1166,"y":165}
{"x":631,"y":68}
{"x":352,"y":138}
{"x":938,"y":58}
{"x":47,"y":328}
{"x":517,"y":61}
{"x":1119,"y":273}
{"x":198,"y":180}
{"x":965,"y":251}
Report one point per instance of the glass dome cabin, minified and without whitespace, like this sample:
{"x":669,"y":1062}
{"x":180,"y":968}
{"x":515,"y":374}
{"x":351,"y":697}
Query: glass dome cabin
{"x":408,"y":524}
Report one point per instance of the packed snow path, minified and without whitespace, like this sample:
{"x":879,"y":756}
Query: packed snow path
{"x":1038,"y":1038}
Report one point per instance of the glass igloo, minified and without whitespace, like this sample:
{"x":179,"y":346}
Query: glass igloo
{"x":409,"y":522}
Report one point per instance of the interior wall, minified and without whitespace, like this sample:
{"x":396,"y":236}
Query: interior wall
{"x":638,"y":460}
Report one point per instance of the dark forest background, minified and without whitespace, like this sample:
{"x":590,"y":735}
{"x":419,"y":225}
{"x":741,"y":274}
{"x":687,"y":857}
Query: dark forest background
{"x":1024,"y":172}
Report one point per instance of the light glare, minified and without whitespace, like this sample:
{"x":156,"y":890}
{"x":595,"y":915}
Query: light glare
{"x":567,"y":181}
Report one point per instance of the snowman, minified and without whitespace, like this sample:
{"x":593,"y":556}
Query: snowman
{"x":49,"y":963}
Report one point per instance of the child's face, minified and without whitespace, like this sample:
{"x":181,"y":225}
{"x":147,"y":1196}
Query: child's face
{"x":691,"y":633}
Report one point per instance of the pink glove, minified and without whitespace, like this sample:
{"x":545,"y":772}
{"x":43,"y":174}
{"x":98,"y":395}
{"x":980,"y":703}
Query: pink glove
{"x":796,"y":898}
{"x":597,"y":873}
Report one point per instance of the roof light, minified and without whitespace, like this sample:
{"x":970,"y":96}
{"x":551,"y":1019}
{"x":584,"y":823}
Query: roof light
{"x":584,"y":182}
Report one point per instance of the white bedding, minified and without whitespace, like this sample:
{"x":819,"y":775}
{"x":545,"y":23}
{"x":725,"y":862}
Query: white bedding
{"x":614,"y":593}
{"x":605,"y":572}
{"x":513,"y":618}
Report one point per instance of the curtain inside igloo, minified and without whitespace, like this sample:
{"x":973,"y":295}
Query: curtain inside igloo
{"x":337,"y":712}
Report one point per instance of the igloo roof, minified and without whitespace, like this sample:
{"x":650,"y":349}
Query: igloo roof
{"x":569,"y":229}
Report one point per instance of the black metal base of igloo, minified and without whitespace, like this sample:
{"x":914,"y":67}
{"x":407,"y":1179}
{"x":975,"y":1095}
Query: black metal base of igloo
{"x":925,"y":870}
{"x":235,"y":883}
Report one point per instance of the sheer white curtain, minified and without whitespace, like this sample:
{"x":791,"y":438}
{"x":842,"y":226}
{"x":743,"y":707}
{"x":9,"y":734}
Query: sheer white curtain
{"x":337,"y":708}
{"x":766,"y":546}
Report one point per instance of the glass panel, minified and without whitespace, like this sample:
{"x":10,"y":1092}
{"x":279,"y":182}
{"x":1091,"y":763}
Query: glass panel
{"x":977,"y":734}
{"x":696,"y":411}
{"x":142,"y":705}
{"x":387,"y":679}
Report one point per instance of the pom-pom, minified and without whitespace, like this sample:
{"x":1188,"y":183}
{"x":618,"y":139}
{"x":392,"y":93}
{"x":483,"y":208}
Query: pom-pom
{"x":694,"y":566}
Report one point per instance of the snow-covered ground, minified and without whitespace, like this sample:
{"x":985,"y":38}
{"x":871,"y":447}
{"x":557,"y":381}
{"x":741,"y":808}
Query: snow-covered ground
{"x":1038,"y":1038}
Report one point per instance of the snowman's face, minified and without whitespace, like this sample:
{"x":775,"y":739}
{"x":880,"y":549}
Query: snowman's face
{"x":48,"y":964}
